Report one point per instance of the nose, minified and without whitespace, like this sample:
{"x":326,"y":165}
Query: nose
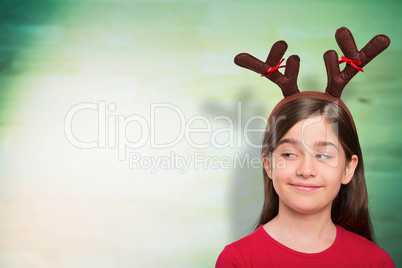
{"x":306,"y":168}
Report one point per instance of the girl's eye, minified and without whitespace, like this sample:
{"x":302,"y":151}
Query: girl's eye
{"x":323,"y":156}
{"x":288,"y":155}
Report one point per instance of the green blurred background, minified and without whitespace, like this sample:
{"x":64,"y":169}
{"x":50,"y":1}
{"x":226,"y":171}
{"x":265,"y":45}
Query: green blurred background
{"x":63,"y":206}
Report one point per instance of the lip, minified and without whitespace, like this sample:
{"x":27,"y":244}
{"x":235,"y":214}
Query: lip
{"x":305,"y":187}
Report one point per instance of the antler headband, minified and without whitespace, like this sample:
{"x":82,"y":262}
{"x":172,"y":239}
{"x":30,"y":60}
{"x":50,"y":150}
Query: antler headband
{"x":337,"y":80}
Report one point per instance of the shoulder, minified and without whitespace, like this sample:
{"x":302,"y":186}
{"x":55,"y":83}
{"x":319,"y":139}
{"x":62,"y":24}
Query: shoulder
{"x":364,"y":249}
{"x":229,"y":257}
{"x":352,"y":239}
{"x":237,"y":254}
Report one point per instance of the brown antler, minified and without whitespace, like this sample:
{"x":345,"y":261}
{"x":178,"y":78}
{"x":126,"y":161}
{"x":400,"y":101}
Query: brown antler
{"x":287,"y":82}
{"x":338,"y":80}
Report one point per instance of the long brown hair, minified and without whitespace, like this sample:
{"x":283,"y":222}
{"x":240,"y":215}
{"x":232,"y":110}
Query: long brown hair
{"x":350,"y":207}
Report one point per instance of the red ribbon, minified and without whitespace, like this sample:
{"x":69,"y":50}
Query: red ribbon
{"x":273,"y":69}
{"x":354,"y":63}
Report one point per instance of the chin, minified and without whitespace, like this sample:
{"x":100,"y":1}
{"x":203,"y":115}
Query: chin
{"x":307,"y":208}
{"x":306,"y":211}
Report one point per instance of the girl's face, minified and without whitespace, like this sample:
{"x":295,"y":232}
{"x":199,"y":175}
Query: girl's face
{"x":308,"y":166}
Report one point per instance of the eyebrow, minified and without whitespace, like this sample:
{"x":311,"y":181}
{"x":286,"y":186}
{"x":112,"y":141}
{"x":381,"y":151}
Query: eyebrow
{"x":298,"y":143}
{"x":324,"y":143}
{"x":290,"y":141}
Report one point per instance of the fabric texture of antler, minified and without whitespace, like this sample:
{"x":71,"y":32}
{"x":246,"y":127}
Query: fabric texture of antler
{"x":337,"y":80}
{"x":288,"y":81}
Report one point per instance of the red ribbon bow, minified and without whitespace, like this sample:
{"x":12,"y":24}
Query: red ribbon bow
{"x":273,"y":69}
{"x":354,"y":63}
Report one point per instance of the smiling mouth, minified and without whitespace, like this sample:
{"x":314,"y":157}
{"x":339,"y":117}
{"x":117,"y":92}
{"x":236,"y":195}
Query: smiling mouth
{"x":305,"y":187}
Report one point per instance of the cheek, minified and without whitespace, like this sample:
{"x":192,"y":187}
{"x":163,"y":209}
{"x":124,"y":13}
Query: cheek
{"x":282,"y":171}
{"x":333,"y":191}
{"x":332,"y":174}
{"x":280,"y":179}
{"x":333,"y":180}
{"x":279,"y":164}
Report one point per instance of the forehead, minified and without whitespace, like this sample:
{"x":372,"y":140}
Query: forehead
{"x":312,"y":130}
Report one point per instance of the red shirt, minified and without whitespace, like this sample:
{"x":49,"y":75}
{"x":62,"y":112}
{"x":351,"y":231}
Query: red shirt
{"x":260,"y":250}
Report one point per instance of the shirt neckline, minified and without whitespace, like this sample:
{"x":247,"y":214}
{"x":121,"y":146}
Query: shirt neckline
{"x":299,"y":253}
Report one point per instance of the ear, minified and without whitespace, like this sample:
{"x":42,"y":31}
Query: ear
{"x":267,"y":164}
{"x":350,"y":169}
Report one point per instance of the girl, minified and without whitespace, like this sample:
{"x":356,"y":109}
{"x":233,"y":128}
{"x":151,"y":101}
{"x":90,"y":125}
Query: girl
{"x":315,"y":211}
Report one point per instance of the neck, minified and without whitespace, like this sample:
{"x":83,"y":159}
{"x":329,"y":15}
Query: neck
{"x":312,"y":224}
{"x":304,"y":232}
